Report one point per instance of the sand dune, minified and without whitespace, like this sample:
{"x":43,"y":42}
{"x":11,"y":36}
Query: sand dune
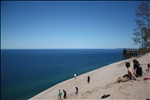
{"x":102,"y":82}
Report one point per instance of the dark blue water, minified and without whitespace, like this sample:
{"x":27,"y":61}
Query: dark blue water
{"x":25,"y":73}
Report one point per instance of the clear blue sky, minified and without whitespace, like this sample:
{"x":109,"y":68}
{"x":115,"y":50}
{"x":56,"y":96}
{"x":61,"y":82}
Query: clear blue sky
{"x":67,"y":24}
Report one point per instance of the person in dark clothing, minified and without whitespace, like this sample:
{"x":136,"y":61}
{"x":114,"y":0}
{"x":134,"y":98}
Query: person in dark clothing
{"x":88,"y":79}
{"x":137,"y":68}
{"x":65,"y":94}
{"x":76,"y":90}
{"x":148,"y":67}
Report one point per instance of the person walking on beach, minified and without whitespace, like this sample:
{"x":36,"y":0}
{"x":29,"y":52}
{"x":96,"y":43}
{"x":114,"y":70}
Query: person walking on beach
{"x":65,"y":94}
{"x":76,"y":91}
{"x":88,"y":79}
{"x":75,"y":76}
{"x":59,"y":95}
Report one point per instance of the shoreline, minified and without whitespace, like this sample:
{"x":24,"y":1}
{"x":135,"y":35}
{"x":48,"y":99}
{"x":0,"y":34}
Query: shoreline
{"x":99,"y":84}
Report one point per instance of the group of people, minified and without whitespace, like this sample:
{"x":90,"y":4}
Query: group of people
{"x":132,"y":75}
{"x":60,"y":94}
{"x":65,"y":93}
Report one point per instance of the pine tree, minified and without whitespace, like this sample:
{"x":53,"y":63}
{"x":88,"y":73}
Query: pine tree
{"x":142,"y":31}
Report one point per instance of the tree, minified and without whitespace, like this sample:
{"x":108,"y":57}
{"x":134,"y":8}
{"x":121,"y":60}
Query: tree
{"x":142,"y":31}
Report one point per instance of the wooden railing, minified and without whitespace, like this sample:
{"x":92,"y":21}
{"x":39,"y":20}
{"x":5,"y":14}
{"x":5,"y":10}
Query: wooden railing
{"x":128,"y":53}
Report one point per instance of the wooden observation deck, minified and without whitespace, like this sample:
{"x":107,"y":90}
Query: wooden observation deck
{"x":128,"y":53}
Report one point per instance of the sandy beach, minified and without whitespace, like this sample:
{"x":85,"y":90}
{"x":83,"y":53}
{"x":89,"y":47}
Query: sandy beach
{"x":102,"y":82}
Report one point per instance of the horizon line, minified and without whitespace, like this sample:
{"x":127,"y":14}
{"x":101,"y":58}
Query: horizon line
{"x":58,"y":48}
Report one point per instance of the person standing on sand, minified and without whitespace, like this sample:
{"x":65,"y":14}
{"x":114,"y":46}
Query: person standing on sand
{"x":88,"y":79}
{"x":148,"y":66}
{"x":59,"y":95}
{"x":76,"y":90}
{"x":65,"y":94}
{"x":75,"y":76}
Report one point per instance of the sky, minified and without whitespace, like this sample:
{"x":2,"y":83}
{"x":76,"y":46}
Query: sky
{"x":68,"y":24}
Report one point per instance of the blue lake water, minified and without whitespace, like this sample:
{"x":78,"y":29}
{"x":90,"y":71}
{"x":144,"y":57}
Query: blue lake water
{"x":25,"y":73}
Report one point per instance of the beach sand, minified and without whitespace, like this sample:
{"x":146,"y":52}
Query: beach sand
{"x":102,"y":82}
